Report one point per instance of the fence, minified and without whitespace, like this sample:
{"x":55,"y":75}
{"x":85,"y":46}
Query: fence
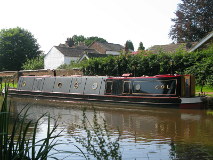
{"x":13,"y":76}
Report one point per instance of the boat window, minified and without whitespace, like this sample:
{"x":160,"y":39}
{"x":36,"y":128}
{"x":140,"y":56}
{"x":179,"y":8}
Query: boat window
{"x":137,"y":88}
{"x":126,"y":87}
{"x":109,"y":87}
{"x":76,"y":85}
{"x":59,"y":85}
{"x":24,"y":84}
{"x":95,"y":86}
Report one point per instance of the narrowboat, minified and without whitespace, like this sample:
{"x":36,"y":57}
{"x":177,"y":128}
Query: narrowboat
{"x":160,"y":90}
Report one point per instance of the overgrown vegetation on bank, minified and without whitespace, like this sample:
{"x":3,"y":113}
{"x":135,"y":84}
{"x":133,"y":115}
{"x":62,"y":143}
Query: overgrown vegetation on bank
{"x":16,"y":144}
{"x":198,"y":64}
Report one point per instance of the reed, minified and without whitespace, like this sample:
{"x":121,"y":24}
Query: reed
{"x":15,"y":144}
{"x":98,"y":141}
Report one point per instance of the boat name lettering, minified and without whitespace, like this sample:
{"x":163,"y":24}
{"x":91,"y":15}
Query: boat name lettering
{"x":162,"y":87}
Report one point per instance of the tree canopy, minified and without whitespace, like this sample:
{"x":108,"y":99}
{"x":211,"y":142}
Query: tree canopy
{"x":90,"y":40}
{"x":17,"y":45}
{"x":194,"y":19}
{"x":141,"y":47}
{"x":70,"y":42}
{"x":75,"y":40}
{"x":129,"y":45}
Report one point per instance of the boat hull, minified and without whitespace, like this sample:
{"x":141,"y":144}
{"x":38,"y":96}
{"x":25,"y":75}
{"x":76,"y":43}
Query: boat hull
{"x":170,"y":102}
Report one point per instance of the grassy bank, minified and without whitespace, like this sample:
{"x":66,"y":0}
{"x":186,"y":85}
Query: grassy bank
{"x":204,"y":89}
{"x":12,"y":85}
{"x":208,"y":90}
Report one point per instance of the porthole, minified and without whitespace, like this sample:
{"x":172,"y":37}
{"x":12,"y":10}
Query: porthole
{"x":76,"y":85}
{"x":59,"y":85}
{"x":23,"y":83}
{"x":137,"y":87}
{"x":95,"y":86}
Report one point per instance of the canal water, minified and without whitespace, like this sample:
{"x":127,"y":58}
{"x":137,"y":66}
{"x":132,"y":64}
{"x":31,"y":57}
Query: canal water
{"x":146,"y":133}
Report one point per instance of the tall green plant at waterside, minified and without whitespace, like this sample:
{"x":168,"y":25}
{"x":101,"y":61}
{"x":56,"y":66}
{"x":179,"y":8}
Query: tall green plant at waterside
{"x":15,"y":144}
{"x":98,"y":141}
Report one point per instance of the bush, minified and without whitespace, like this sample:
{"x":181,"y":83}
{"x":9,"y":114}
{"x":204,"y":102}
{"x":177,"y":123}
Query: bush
{"x":34,"y":64}
{"x":203,"y":71}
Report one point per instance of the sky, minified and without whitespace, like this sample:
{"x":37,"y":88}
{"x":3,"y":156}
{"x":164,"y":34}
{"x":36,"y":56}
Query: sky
{"x":53,"y":21}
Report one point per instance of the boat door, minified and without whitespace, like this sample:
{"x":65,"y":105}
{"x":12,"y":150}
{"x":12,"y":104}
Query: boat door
{"x":189,"y":86}
{"x":126,"y":87}
{"x":108,"y":87}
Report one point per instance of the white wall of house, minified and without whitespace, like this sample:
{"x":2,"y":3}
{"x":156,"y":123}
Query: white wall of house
{"x":53,"y":59}
{"x":115,"y":53}
{"x":67,"y":60}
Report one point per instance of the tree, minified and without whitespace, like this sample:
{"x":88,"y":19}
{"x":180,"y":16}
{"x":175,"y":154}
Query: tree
{"x":141,"y":47}
{"x":78,"y":39}
{"x":16,"y":47}
{"x":70,"y":42}
{"x":75,"y":40}
{"x":90,"y":40}
{"x":129,"y":46}
{"x":194,"y":19}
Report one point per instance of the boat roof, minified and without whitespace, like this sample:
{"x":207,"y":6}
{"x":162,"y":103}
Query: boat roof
{"x":156,"y":76}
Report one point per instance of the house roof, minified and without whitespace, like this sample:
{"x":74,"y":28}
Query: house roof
{"x":202,"y":41}
{"x":110,"y":46}
{"x":74,"y":52}
{"x":171,"y":47}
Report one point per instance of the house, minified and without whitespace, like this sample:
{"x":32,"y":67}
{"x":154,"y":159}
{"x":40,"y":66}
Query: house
{"x":59,"y":55}
{"x":169,"y":48}
{"x":203,"y":43}
{"x":107,"y":48}
{"x":64,"y":54}
{"x":87,"y":56}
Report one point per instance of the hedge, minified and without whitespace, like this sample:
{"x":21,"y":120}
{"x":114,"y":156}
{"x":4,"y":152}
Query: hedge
{"x":198,"y":63}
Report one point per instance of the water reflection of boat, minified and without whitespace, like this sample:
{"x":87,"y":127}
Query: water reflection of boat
{"x":159,"y":90}
{"x":147,"y":123}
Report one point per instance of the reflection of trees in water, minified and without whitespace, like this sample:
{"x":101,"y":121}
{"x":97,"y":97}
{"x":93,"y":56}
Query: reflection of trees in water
{"x":163,"y":123}
{"x":190,"y":151}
